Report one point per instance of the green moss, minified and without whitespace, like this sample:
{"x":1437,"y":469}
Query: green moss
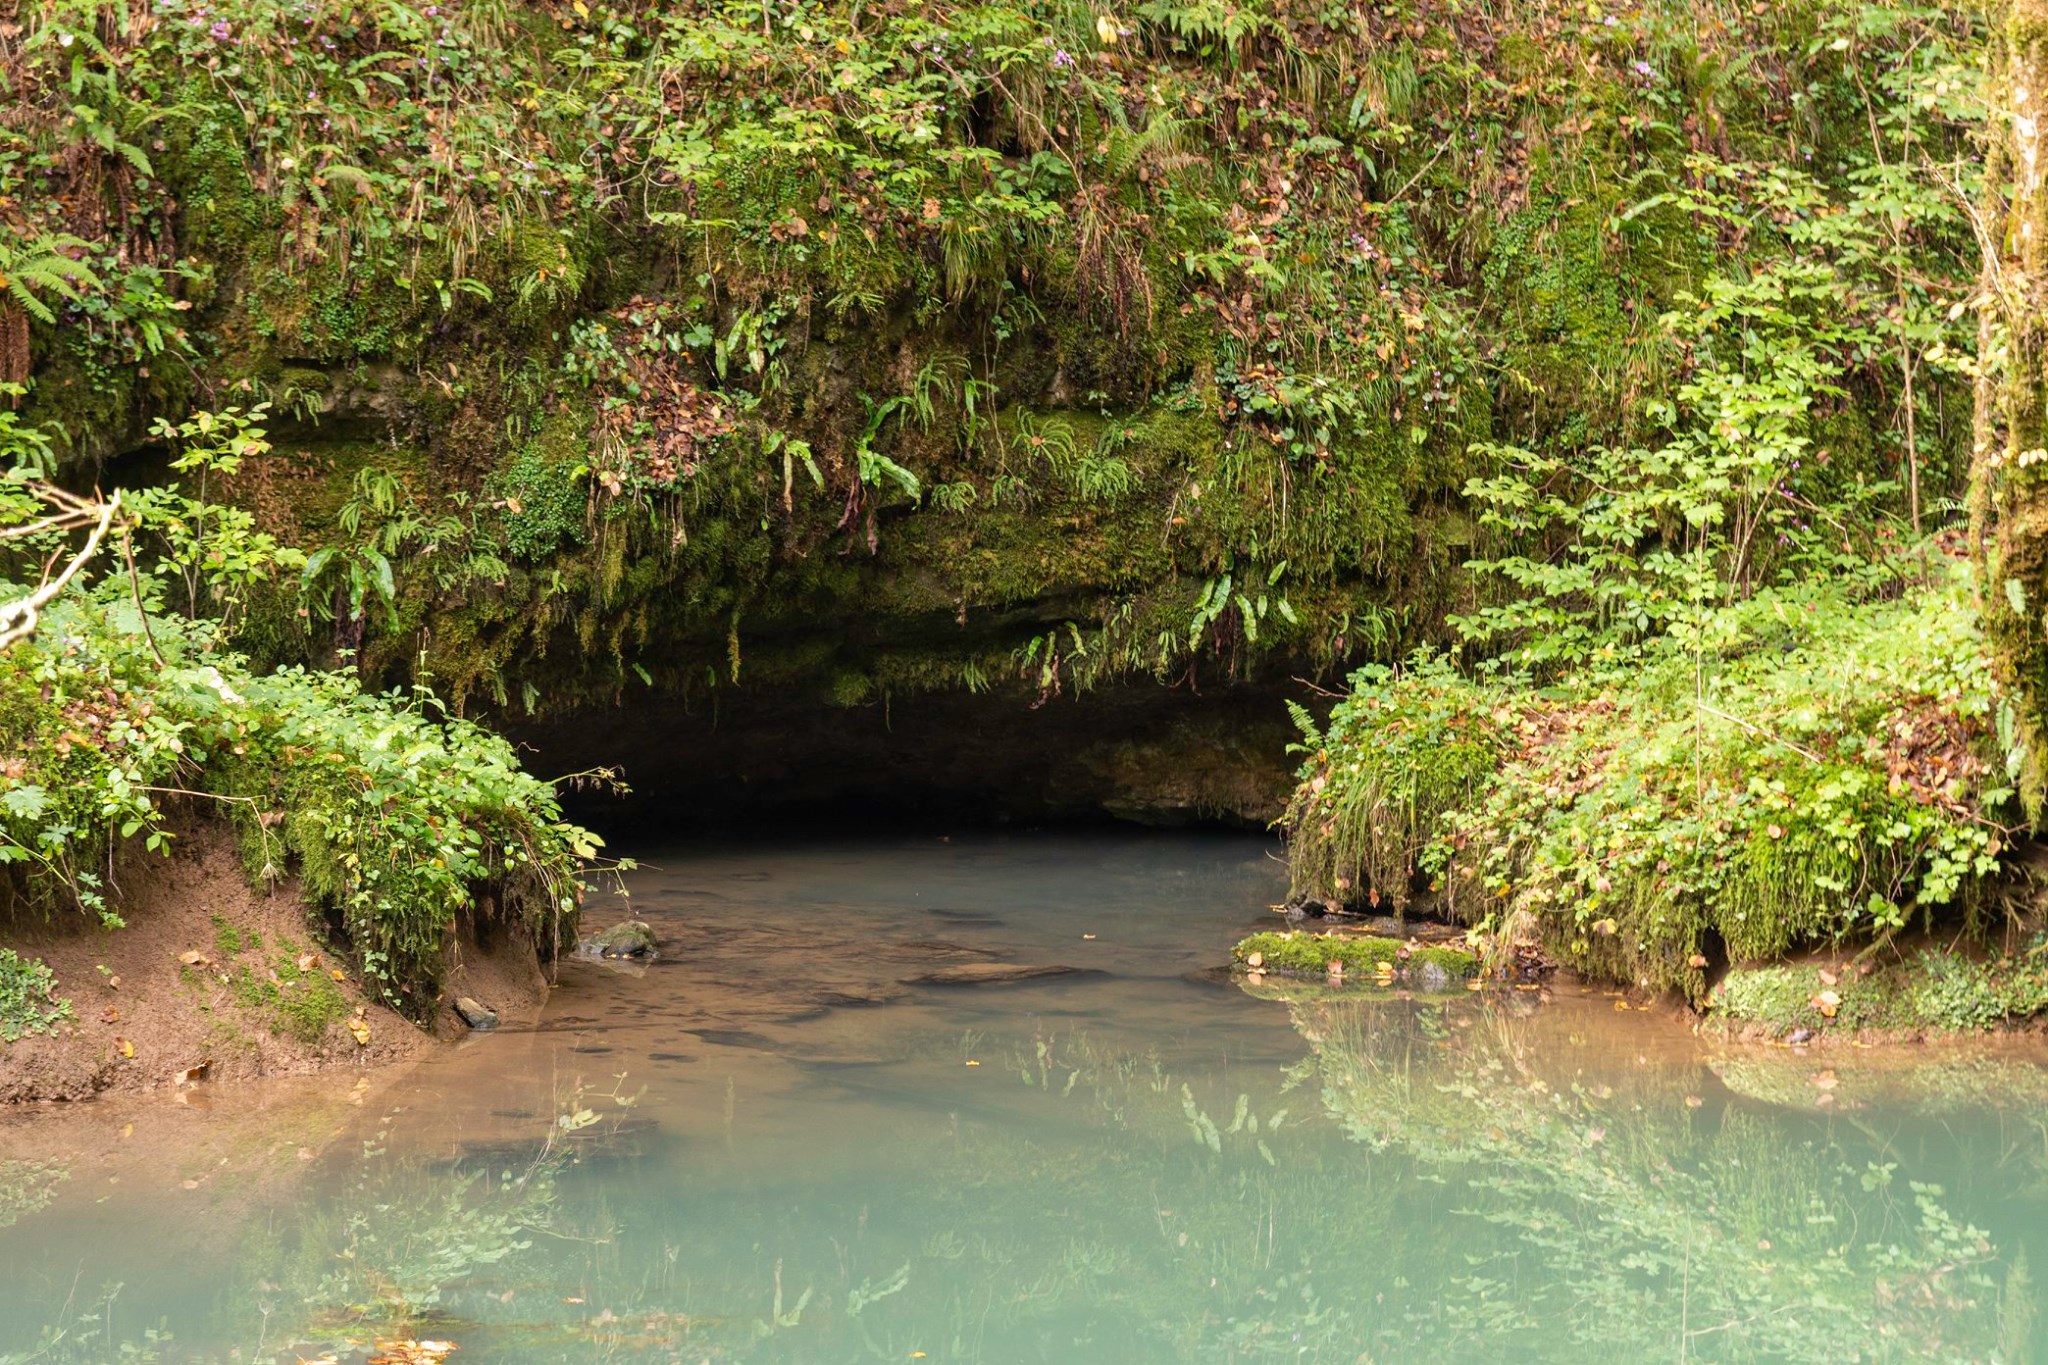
{"x":299,"y":1002}
{"x":1932,"y":991}
{"x":1360,"y":954}
{"x":543,"y":501}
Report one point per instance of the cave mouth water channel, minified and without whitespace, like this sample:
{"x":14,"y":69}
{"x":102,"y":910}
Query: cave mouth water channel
{"x":811,"y":1131}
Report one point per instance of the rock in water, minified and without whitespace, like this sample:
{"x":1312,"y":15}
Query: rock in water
{"x":1307,"y":907}
{"x":1431,"y":976}
{"x":631,"y":938}
{"x":985,"y":974}
{"x":476,"y":1014}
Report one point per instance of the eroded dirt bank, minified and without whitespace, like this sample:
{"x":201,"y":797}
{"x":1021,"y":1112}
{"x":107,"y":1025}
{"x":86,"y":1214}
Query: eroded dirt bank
{"x":212,"y":980}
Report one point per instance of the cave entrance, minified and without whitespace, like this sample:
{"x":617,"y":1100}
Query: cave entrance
{"x":1141,"y":753}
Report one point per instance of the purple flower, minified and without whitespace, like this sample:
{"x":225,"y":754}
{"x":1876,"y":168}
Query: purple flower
{"x":220,"y":30}
{"x":1062,"y":58}
{"x":1644,"y":69}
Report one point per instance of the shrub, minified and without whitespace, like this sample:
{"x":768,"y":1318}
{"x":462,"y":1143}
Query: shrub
{"x":1825,"y":783}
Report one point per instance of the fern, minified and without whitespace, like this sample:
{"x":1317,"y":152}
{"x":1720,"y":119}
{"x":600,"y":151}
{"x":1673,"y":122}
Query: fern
{"x":1311,"y":733}
{"x":42,"y":266}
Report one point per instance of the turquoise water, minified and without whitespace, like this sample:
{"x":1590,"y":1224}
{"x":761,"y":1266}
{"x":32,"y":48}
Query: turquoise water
{"x":777,"y":1145}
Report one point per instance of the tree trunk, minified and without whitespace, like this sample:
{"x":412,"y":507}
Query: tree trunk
{"x":2009,"y":476}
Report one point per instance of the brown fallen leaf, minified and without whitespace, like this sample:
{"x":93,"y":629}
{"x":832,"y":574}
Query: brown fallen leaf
{"x":192,"y":957}
{"x":1697,"y":960}
{"x":338,"y":974}
{"x":307,"y":961}
{"x":1828,"y":978}
{"x":125,"y":1048}
{"x":360,"y":1028}
{"x":412,"y":1352}
{"x":1827,"y":1002}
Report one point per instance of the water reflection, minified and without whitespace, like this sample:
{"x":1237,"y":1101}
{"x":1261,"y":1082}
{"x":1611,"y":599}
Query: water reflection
{"x":1635,"y":1214}
{"x":774,"y":1146}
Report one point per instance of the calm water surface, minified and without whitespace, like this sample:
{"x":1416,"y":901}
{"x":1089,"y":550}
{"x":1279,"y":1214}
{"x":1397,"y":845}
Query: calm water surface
{"x":779,"y":1144}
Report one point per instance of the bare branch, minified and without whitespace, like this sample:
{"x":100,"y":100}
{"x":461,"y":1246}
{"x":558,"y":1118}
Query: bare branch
{"x":18,"y":619}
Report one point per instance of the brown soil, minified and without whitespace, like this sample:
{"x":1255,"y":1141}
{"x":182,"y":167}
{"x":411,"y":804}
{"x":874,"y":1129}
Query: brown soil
{"x":495,"y":964}
{"x":146,"y":1019}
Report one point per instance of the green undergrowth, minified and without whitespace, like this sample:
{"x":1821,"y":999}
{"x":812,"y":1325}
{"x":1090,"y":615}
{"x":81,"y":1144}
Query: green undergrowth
{"x":622,"y":342}
{"x":390,"y":813}
{"x":1929,"y":991}
{"x":29,"y":1002}
{"x":1832,"y":775}
{"x":1313,"y":954}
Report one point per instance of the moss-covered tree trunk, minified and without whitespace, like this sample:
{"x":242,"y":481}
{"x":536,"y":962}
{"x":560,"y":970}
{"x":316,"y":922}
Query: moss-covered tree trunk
{"x":2009,"y":491}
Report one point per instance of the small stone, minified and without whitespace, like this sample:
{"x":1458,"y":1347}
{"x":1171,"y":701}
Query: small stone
{"x":1799,"y":1035}
{"x":476,"y":1014}
{"x":1431,"y":976}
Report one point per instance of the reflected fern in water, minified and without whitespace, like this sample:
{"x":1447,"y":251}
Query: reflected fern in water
{"x":27,"y":1187}
{"x":87,"y":1336}
{"x":1643,"y":1221}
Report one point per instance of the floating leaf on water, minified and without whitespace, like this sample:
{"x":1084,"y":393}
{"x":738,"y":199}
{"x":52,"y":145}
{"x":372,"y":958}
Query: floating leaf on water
{"x":412,"y":1352}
